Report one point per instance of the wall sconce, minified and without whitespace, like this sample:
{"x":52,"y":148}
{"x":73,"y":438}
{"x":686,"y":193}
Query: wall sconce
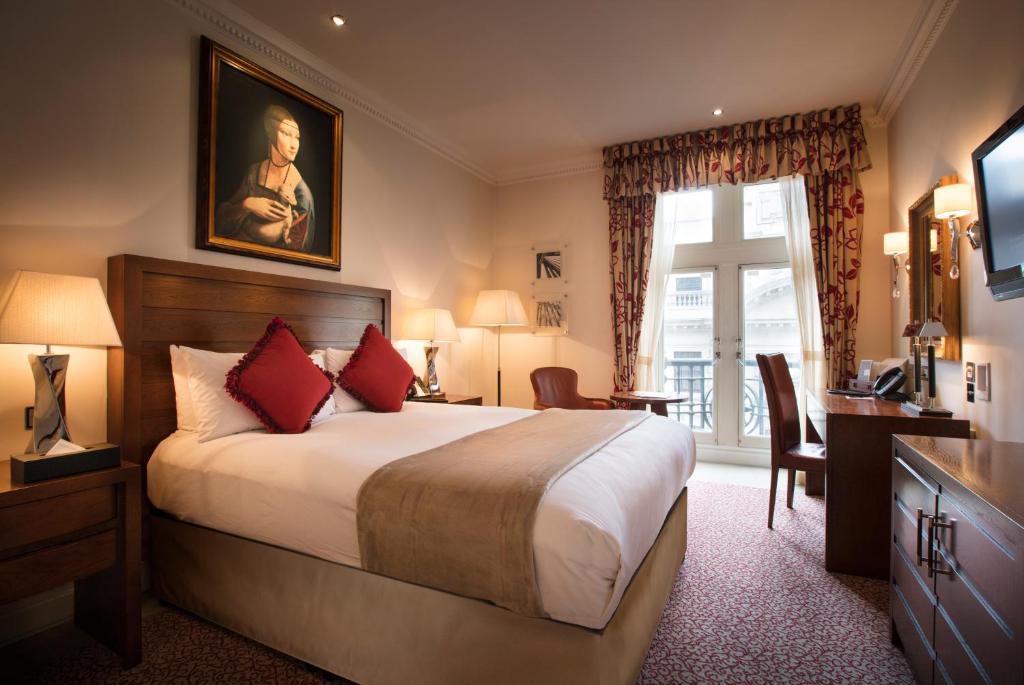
{"x":952,"y":202}
{"x":896,"y":244}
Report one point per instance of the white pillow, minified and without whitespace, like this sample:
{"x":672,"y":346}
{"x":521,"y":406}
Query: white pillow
{"x":217,"y":413}
{"x":343,"y":402}
{"x":182,"y":397}
{"x":319,"y":358}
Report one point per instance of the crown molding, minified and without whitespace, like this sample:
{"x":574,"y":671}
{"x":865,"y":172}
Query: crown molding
{"x":562,"y":168}
{"x":930,"y":23}
{"x":245,"y":31}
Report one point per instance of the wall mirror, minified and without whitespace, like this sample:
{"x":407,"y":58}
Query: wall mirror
{"x":934,"y":296}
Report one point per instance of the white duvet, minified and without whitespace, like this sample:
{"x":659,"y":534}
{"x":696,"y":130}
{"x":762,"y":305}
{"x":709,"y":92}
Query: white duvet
{"x":593,"y":528}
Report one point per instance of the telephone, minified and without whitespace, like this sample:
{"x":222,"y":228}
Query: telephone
{"x":888,"y":383}
{"x":887,"y":386}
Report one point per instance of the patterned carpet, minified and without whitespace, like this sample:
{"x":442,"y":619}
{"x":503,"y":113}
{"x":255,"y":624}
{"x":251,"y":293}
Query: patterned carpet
{"x":749,"y":606}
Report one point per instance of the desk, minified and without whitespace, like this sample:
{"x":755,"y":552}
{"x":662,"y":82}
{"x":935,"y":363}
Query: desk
{"x":858,"y":434}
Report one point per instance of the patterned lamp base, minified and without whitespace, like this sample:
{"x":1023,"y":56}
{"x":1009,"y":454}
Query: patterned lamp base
{"x":433,"y":386}
{"x":48,"y":424}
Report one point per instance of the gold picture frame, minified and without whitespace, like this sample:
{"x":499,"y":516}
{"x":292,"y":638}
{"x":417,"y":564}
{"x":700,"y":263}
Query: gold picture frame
{"x":270,"y":154}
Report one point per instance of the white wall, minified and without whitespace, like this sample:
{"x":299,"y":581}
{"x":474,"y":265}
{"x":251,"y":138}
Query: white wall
{"x":972,"y":81}
{"x":571,"y":208}
{"x":98,"y":130}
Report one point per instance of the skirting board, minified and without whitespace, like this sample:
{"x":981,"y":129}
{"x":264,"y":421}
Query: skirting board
{"x":32,"y":615}
{"x":742,"y":456}
{"x":26,"y":617}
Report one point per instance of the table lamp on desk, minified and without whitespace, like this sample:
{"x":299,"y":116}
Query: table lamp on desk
{"x":432,"y":326}
{"x":53,"y":309}
{"x":929,"y":330}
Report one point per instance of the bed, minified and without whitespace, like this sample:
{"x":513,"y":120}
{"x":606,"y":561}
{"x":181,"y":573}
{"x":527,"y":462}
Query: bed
{"x":266,"y":546}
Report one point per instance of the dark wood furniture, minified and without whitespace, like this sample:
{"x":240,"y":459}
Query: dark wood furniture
{"x":784,"y":416}
{"x":657,"y":401}
{"x":452,"y":398}
{"x":157,"y":302}
{"x":956,"y":590}
{"x":557,"y":386}
{"x":857,"y":433}
{"x":83,"y":528}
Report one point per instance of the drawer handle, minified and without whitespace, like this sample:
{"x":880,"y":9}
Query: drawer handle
{"x":920,"y":520}
{"x":933,"y":564}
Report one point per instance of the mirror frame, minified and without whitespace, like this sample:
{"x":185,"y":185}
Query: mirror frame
{"x":920,"y":286}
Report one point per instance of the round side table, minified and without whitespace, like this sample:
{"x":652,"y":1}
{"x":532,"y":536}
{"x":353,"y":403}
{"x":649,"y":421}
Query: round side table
{"x":657,"y":401}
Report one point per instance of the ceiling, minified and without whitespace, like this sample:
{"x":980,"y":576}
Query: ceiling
{"x":520,"y":88}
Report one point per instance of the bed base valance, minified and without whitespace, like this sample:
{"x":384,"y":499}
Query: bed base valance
{"x":379,"y":631}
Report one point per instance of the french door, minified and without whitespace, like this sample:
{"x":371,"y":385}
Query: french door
{"x":730,"y":297}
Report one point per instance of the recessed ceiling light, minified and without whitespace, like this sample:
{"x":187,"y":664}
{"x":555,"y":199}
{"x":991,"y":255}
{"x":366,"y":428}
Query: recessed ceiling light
{"x":338,"y":20}
{"x":717,"y":111}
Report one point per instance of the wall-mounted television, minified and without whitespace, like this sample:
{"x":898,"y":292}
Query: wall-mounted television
{"x":999,"y":180}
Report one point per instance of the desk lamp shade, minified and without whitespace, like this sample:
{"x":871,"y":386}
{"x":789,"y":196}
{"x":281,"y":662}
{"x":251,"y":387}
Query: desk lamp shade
{"x":53,"y":309}
{"x":498,"y":308}
{"x":432,"y":326}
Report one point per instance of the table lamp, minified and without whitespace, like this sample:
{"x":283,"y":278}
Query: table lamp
{"x":432,"y":326}
{"x":498,"y":308}
{"x":929,"y":330}
{"x":53,"y":309}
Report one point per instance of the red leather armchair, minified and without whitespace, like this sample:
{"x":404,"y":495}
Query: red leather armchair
{"x":555,"y":386}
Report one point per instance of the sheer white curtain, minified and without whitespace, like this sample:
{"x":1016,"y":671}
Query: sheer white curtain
{"x":798,"y":244}
{"x":650,"y":360}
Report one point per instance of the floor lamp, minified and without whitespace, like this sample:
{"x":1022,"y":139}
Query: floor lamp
{"x":498,"y":308}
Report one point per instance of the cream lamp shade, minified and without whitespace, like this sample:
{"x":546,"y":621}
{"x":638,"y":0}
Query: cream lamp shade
{"x":435,"y":325}
{"x":952,"y":201}
{"x":932,"y":329}
{"x":897,"y":242}
{"x":498,"y":308}
{"x":54,"y":309}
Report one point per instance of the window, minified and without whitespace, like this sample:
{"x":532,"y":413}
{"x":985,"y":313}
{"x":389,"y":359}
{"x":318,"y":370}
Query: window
{"x":691,"y":213}
{"x":762,"y":211}
{"x":730,"y":296}
{"x":689,"y":283}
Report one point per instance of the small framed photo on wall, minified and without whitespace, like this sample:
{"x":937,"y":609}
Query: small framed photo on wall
{"x":551,"y":314}
{"x":269,"y":178}
{"x":549,"y":265}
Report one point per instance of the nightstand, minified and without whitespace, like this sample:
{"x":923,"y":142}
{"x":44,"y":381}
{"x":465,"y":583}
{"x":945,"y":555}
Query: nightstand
{"x":85,"y":528}
{"x":451,"y":398}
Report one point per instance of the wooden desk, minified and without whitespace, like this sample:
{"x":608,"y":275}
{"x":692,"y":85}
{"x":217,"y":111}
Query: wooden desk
{"x":858,"y":434}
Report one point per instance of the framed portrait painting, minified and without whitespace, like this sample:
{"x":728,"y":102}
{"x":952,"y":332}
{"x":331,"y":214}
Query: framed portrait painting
{"x":269,"y":180}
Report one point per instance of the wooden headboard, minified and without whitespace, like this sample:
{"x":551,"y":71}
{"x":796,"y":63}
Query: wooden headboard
{"x":159,"y":302}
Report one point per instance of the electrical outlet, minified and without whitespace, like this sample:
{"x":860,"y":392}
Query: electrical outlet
{"x":983,"y":382}
{"x":969,"y":378}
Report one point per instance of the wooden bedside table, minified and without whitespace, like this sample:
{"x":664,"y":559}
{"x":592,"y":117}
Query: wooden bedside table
{"x":452,"y":398}
{"x":86,"y":528}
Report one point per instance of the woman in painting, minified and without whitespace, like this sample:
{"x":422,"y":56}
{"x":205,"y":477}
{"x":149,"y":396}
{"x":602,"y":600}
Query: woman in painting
{"x":273,"y":206}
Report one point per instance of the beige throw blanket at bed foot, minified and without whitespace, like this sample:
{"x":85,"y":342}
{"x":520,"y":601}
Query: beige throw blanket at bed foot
{"x":460,"y":517}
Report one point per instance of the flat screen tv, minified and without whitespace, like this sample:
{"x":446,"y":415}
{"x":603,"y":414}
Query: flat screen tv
{"x":999,"y":180}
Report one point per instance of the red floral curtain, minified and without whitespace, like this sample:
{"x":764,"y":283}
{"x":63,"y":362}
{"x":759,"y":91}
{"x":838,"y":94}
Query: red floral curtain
{"x":631,"y":227}
{"x":826,"y":146}
{"x":836,"y":207}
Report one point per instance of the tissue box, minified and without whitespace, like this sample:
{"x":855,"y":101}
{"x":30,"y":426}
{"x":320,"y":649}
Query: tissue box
{"x":29,"y":468}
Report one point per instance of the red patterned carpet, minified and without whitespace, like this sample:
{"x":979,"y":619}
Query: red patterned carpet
{"x":749,"y":606}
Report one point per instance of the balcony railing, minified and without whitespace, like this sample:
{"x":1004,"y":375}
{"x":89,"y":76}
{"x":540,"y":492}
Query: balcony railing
{"x":692,"y":378}
{"x":690,"y":299}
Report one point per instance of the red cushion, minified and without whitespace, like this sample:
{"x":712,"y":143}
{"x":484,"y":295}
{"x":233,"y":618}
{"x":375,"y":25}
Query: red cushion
{"x":279,"y":382}
{"x":376,"y":375}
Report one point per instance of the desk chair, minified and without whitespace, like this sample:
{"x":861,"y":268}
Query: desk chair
{"x":555,"y":386}
{"x":784,"y":417}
